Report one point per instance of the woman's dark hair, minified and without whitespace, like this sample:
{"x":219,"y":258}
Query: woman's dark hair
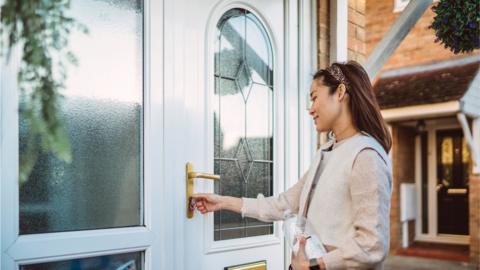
{"x":363,"y":104}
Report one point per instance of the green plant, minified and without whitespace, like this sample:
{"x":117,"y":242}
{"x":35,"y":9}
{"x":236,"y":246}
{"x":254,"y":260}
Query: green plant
{"x":41,"y":29}
{"x":456,"y":24}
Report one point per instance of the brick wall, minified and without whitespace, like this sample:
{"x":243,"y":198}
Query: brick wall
{"x":418,"y":47}
{"x":356,"y":31}
{"x":474,"y":218}
{"x":403,"y":155}
{"x":323,"y":33}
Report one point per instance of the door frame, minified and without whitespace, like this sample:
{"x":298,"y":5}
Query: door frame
{"x":432,"y":235}
{"x":48,"y":247}
{"x":279,"y":133}
{"x":298,"y":132}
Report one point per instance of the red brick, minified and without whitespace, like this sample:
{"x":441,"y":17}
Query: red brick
{"x":418,"y":44}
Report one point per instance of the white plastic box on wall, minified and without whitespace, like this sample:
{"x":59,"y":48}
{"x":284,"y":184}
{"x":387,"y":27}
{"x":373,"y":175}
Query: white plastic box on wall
{"x":408,"y":208}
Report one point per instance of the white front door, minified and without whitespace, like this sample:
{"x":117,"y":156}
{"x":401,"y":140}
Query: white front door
{"x":225,"y":113}
{"x":160,"y":84}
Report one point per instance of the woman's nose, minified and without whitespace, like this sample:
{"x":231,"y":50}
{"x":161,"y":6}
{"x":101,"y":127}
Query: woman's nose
{"x":311,"y":110}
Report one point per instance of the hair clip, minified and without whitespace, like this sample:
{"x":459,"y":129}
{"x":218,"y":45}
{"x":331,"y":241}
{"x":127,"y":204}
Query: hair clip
{"x":337,"y":73}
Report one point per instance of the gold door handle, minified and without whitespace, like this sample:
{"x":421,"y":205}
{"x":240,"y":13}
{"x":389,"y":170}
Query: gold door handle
{"x":457,"y":191}
{"x":190,"y":175}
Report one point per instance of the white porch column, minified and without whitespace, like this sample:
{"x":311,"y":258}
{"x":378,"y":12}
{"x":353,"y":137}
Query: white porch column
{"x":476,"y":143}
{"x":473,"y":139}
{"x":338,"y":30}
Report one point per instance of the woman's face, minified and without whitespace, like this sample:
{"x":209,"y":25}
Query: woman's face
{"x":326,"y":108}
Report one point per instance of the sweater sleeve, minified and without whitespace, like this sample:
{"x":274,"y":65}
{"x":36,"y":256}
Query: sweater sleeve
{"x":370,"y":189}
{"x":272,"y":208}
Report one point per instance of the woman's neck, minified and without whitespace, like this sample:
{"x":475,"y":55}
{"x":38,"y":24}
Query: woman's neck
{"x":345,"y":133}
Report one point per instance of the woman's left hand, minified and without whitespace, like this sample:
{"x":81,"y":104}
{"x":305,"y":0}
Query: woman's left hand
{"x":300,"y":261}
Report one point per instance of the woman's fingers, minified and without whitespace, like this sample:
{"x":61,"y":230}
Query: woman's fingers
{"x":200,"y":204}
{"x":206,"y":202}
{"x":201,"y":196}
{"x":301,"y":249}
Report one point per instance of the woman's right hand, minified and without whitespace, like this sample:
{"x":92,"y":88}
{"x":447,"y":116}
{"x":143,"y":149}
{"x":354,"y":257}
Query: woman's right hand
{"x":207,"y":202}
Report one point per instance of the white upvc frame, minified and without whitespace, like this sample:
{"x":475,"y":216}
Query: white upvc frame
{"x":301,"y":53}
{"x":432,"y":235}
{"x":291,"y":141}
{"x":400,"y":5}
{"x":338,"y":31}
{"x":307,"y":52}
{"x":38,"y":248}
{"x":211,"y":246}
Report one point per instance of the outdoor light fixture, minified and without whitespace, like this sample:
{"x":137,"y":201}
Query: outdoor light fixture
{"x":420,"y":126}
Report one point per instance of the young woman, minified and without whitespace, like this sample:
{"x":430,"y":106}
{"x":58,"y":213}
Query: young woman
{"x":345,"y":194}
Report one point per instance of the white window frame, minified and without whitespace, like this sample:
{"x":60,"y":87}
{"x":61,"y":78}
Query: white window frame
{"x":400,"y":5}
{"x":338,"y":31}
{"x":432,"y":235}
{"x":48,"y":247}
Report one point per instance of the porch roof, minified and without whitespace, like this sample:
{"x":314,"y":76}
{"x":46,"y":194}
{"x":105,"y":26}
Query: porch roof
{"x":429,"y":86}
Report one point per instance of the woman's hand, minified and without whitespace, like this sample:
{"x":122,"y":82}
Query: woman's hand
{"x":300,"y":261}
{"x":206,"y":202}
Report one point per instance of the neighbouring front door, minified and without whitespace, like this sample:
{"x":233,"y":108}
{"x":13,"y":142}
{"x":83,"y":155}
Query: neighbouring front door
{"x":452,"y":185}
{"x":227,"y":118}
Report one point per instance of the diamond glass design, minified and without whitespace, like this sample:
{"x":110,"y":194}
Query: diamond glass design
{"x":244,"y":80}
{"x":243,"y":119}
{"x":244,"y":159}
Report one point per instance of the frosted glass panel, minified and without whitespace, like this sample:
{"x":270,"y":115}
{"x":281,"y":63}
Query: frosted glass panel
{"x":103,"y":114}
{"x":129,"y":261}
{"x":243,"y":119}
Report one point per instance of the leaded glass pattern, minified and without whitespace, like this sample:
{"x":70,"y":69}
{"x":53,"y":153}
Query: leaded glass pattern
{"x":243,"y":119}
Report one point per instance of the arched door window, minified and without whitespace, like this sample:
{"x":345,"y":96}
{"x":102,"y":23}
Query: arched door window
{"x":243,"y":118}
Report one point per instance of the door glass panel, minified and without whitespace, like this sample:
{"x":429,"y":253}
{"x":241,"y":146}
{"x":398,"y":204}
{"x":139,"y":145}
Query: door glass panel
{"x":243,"y":119}
{"x":452,"y":185}
{"x":103,"y":115}
{"x":128,"y":261}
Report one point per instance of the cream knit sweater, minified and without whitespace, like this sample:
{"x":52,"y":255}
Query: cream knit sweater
{"x":350,"y":206}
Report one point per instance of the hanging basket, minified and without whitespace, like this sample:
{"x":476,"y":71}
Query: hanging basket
{"x":456,"y":24}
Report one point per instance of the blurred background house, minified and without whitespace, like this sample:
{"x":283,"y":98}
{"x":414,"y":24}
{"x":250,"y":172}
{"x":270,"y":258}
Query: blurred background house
{"x":430,"y":97}
{"x":162,"y":83}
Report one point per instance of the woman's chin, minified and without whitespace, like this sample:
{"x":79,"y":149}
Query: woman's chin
{"x":319,"y":129}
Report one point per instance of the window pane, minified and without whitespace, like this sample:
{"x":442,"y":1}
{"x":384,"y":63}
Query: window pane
{"x":243,"y":119}
{"x":129,"y":261}
{"x":103,"y":114}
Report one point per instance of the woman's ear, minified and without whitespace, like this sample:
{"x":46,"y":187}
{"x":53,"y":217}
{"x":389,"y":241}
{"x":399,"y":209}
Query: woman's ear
{"x":341,"y":91}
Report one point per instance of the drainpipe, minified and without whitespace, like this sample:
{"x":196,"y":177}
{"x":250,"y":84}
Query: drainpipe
{"x":473,"y":140}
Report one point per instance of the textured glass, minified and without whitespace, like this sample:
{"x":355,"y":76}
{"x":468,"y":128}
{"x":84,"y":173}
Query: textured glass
{"x":102,"y":112}
{"x":243,"y":119}
{"x":128,"y":261}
